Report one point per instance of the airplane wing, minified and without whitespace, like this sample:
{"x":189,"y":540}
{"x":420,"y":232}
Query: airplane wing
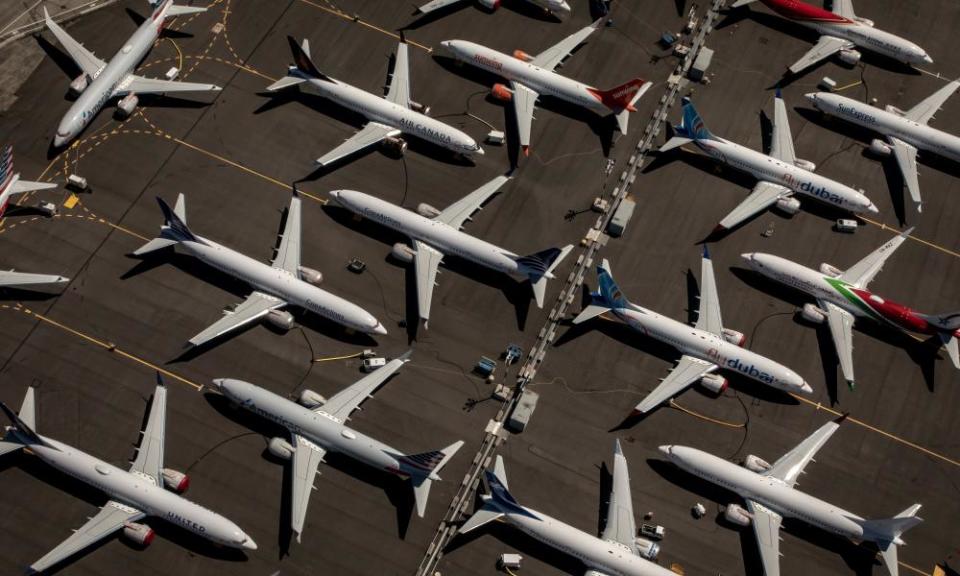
{"x":782,"y":146}
{"x":85,"y":59}
{"x":149,"y":458}
{"x":141,"y":85}
{"x":399,"y":92}
{"x":840,"y":323}
{"x":436,"y":5}
{"x":766,"y":529}
{"x":825,"y":47}
{"x":288,"y":254}
{"x":708,"y":315}
{"x":687,"y":371}
{"x":426,"y":261}
{"x":790,"y":466}
{"x":343,"y":403}
{"x":21,"y":186}
{"x":460,"y":211}
{"x":763,"y":196}
{"x":621,"y":526}
{"x":371,"y":134}
{"x":844,"y":9}
{"x":524,"y":103}
{"x":924,"y":111}
{"x":254,"y":307}
{"x":112,"y":517}
{"x":13,"y":279}
{"x":861,"y":273}
{"x":906,"y":157}
{"x":553,"y":56}
{"x":306,"y":458}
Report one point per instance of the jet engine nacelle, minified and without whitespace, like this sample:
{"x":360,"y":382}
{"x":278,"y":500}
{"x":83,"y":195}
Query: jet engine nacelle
{"x":756,"y":464}
{"x":280,"y":448}
{"x":813,"y":314}
{"x":880,"y":148}
{"x":830,"y":270}
{"x":501,"y":92}
{"x":490,"y":4}
{"x":280,"y":319}
{"x":402,"y":252}
{"x":737,"y":514}
{"x":310,"y":399}
{"x":141,"y":534}
{"x":522,"y":56}
{"x":310,"y":275}
{"x":647,"y":548}
{"x":789,"y":206}
{"x":864,"y":21}
{"x":421,"y":108}
{"x":714,"y":383}
{"x":427,"y":211}
{"x":127,"y":105}
{"x":734,"y":337}
{"x":395,"y":145}
{"x":175,"y":480}
{"x":79,"y":84}
{"x":804,"y":164}
{"x":850,"y":57}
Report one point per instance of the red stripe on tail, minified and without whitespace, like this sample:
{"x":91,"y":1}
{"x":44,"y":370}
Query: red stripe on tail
{"x":619,"y":98}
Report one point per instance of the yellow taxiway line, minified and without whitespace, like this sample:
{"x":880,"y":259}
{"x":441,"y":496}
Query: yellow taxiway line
{"x":360,"y":21}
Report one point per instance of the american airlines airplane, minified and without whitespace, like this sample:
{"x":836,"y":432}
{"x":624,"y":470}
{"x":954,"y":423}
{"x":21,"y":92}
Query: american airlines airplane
{"x":841,"y":32}
{"x":770,"y":495}
{"x":560,"y":9}
{"x":101,"y":81}
{"x":842,"y":297}
{"x":706,"y":347}
{"x":905,"y":131}
{"x":10,"y":183}
{"x":317,"y":426}
{"x":143,"y":490}
{"x":281,"y":283}
{"x":781,"y":175}
{"x":389,"y":117}
{"x":436,"y":233}
{"x":617,"y":552}
{"x":533,"y":76}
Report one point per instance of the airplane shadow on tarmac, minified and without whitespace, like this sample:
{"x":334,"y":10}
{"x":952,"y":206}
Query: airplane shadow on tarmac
{"x":519,"y":6}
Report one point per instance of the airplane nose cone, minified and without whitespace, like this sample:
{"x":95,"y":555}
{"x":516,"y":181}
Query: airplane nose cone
{"x":379,"y":329}
{"x":666,"y":449}
{"x":479,"y":150}
{"x":812,"y":97}
{"x":217,"y":384}
{"x":806,"y":388}
{"x":927,"y":59}
{"x":59,"y":141}
{"x":873,"y":209}
{"x":748,"y":256}
{"x":249,"y":544}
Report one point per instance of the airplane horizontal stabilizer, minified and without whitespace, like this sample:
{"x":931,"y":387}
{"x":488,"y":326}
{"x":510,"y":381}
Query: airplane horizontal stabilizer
{"x":740,"y":3}
{"x":950,"y":343}
{"x":175,"y":10}
{"x":153,"y":246}
{"x":23,"y":427}
{"x":675,"y":142}
{"x":539,"y":268}
{"x":487,"y":513}
{"x":890,"y":529}
{"x":590,"y":312}
{"x":285,"y":82}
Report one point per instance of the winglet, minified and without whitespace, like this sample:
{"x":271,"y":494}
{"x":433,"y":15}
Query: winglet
{"x":406,"y":355}
{"x":296,"y":191}
{"x":160,"y":379}
{"x":617,"y":451}
{"x":778,"y":94}
{"x":841,"y":418}
{"x":706,"y":252}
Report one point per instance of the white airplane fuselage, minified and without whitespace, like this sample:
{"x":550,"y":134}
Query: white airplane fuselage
{"x":283,"y":285}
{"x":888,"y":123}
{"x":872,"y":39}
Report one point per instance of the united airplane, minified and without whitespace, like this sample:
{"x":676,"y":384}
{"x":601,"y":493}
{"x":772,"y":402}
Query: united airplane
{"x":706,"y":347}
{"x":781,"y":175}
{"x":388,"y":117}
{"x":770,"y":495}
{"x":143,"y":490}
{"x":281,"y":283}
{"x":905,"y":132}
{"x":841,"y":32}
{"x":842,"y":297}
{"x":617,"y":552}
{"x":101,"y":81}
{"x":436,"y":233}
{"x":317,"y":426}
{"x":533,"y":76}
{"x":10,"y":183}
{"x":559,"y":9}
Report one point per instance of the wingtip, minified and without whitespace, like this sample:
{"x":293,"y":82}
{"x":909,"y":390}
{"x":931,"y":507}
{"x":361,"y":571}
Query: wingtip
{"x":706,"y":251}
{"x":841,"y":418}
{"x":617,"y":450}
{"x":779,"y":94}
{"x":160,"y":379}
{"x":406,"y":355}
{"x":526,"y":150}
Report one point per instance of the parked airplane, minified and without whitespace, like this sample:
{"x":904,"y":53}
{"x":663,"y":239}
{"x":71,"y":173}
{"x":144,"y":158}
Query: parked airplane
{"x":770,"y":496}
{"x":706,"y":347}
{"x":842,"y":297}
{"x":905,"y":131}
{"x":533,"y":76}
{"x":558,"y":8}
{"x":617,"y":551}
{"x":436,"y":233}
{"x":100,"y":81}
{"x":781,"y":175}
{"x":11,"y":184}
{"x":141,"y":491}
{"x":282,"y":283}
{"x":389,"y":116}
{"x":318,"y":426}
{"x":12,"y":279}
{"x":841,"y":31}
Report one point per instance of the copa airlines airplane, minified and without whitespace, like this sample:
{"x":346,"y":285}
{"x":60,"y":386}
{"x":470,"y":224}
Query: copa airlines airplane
{"x":706,"y":347}
{"x":281,"y":283}
{"x":842,"y":297}
{"x":781,"y":175}
{"x":770,"y":496}
{"x":141,"y":491}
{"x":533,"y":76}
{"x":905,"y":131}
{"x":101,"y":81}
{"x":841,"y":31}
{"x":617,"y":552}
{"x":317,"y":426}
{"x":436,"y":233}
{"x":389,"y":117}
{"x":558,"y":8}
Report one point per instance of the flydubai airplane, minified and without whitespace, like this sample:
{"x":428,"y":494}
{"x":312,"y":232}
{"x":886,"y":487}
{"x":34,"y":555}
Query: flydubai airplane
{"x":841,"y":32}
{"x":842,"y":297}
{"x":560,"y":9}
{"x":781,"y":175}
{"x":706,"y":347}
{"x":388,"y":117}
{"x":533,"y":76}
{"x":10,"y":183}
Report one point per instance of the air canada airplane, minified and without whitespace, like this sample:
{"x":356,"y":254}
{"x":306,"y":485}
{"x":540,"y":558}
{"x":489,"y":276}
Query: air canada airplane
{"x":145,"y":489}
{"x":560,"y":9}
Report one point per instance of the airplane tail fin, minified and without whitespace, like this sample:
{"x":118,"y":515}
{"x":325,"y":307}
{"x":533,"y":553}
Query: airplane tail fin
{"x":6,"y":167}
{"x":539,"y":268}
{"x":21,"y":433}
{"x":887,"y":531}
{"x":303,"y":63}
{"x":607,"y":297}
{"x":174,"y":228}
{"x":622,"y":98}
{"x":692,"y":125}
{"x":424,"y":468}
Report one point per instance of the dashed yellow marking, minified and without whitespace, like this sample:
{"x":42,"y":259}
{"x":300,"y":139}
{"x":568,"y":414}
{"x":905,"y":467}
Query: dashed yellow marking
{"x":674,"y":404}
{"x":913,"y":569}
{"x":362,"y":22}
